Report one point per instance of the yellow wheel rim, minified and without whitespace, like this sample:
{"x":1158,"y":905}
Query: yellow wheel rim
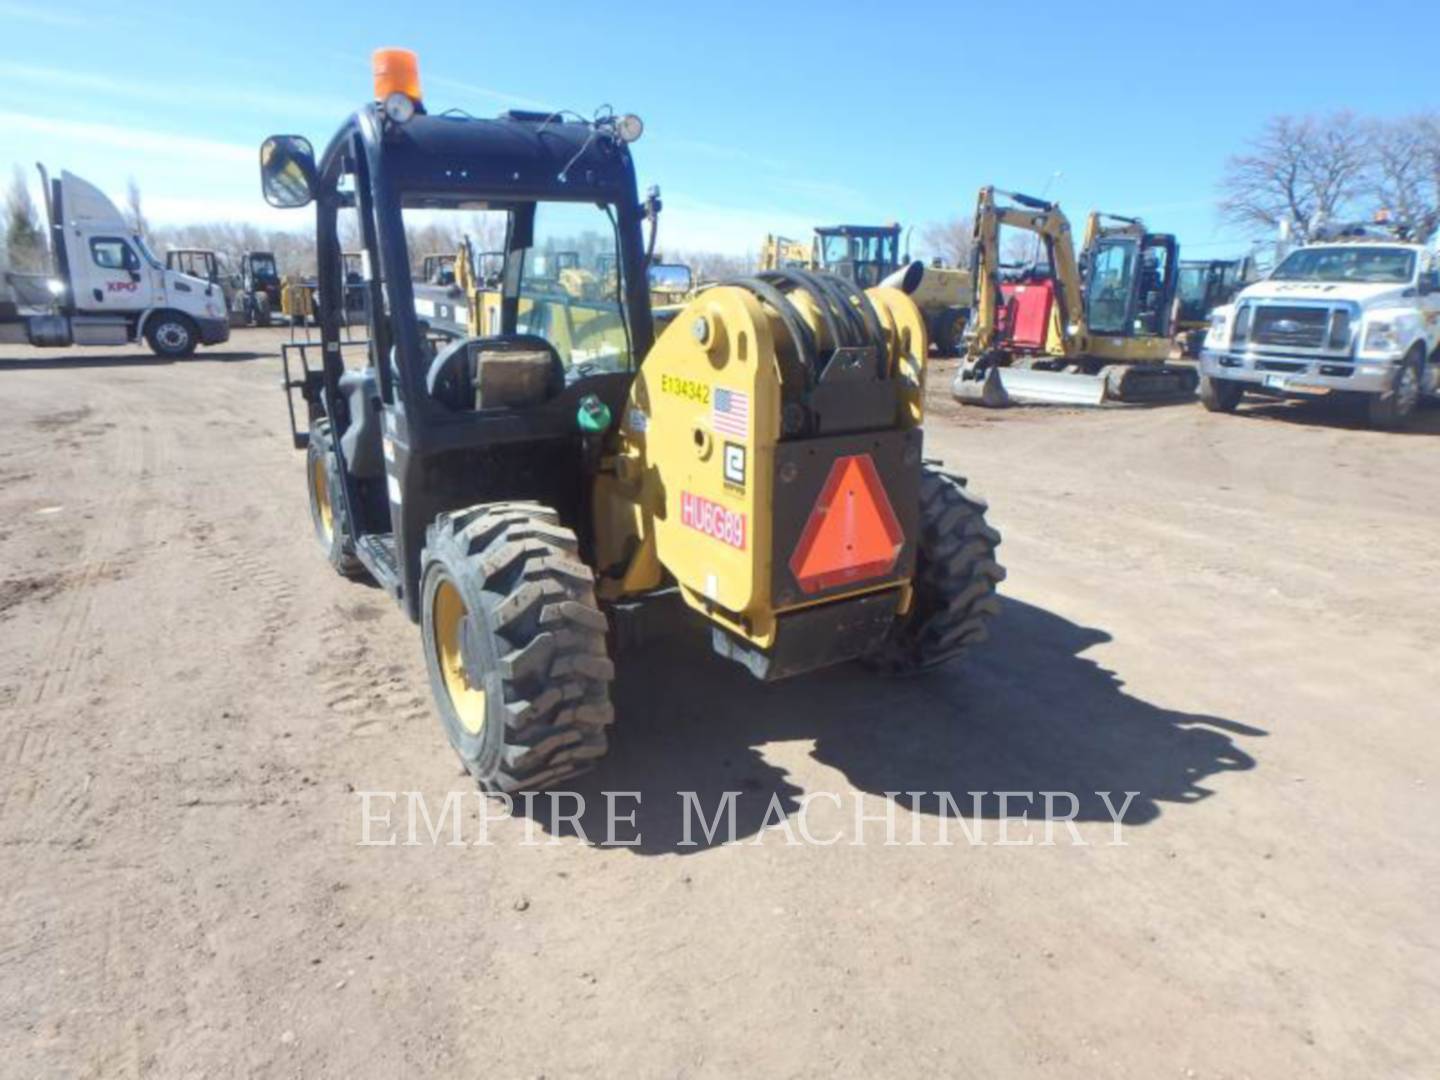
{"x":447,"y":619}
{"x":320,"y":485}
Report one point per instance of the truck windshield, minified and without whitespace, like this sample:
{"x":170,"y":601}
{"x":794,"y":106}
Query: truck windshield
{"x":570,"y":287}
{"x":1364,"y":265}
{"x":149,"y":255}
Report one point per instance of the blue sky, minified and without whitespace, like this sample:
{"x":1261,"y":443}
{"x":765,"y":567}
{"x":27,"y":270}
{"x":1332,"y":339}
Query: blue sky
{"x":759,"y":116}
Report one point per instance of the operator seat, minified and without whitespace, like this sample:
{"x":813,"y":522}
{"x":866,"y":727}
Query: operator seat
{"x":361,"y":443}
{"x":503,"y":371}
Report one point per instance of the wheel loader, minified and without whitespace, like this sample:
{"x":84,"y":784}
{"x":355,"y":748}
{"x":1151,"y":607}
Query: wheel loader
{"x":1071,"y":331}
{"x":529,"y":499}
{"x":1203,"y":286}
{"x":861,"y":254}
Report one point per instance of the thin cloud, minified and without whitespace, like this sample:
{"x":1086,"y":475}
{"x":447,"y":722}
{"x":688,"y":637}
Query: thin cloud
{"x":133,"y":139}
{"x":695,"y":225}
{"x":717,"y":152}
{"x":46,"y":16}
{"x":504,"y":97}
{"x":56,"y":78}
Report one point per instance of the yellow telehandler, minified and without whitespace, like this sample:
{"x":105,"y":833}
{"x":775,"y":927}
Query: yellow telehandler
{"x":527,"y":494}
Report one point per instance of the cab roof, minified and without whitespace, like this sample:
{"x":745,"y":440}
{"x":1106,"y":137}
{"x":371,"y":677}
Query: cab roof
{"x":452,"y":160}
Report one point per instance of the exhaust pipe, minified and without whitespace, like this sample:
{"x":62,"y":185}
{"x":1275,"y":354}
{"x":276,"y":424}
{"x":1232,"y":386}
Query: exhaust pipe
{"x":907,"y":279}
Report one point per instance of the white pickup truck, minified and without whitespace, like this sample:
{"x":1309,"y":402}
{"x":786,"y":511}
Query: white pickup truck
{"x":1358,"y":316}
{"x":105,"y":286}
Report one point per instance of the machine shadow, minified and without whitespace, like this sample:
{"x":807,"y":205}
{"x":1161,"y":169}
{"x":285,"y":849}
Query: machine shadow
{"x":58,"y":363}
{"x":1337,"y":413}
{"x":1026,"y":712}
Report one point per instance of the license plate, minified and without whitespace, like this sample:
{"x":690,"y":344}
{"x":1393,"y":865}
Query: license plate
{"x":1276,"y":382}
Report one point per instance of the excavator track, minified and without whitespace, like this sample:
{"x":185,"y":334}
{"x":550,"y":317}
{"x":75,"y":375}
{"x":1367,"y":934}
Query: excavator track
{"x":1150,"y":383}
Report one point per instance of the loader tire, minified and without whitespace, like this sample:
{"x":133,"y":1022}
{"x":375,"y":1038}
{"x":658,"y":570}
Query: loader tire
{"x":955,"y":579}
{"x":948,"y":331}
{"x":1220,"y":395}
{"x":515,"y":645}
{"x":327,"y":503}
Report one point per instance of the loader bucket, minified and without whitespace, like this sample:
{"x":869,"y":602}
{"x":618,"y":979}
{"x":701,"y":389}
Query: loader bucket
{"x":1000,"y":386}
{"x":1031,"y":387}
{"x":980,"y":388}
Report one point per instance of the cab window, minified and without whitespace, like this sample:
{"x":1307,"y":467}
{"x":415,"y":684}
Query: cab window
{"x":570,"y":287}
{"x":112,"y":253}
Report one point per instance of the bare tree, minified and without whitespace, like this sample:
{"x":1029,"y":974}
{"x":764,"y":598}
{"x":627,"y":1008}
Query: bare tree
{"x":24,"y":238}
{"x":137,"y":214}
{"x":1305,"y":170}
{"x":953,"y":240}
{"x":710,"y":266}
{"x":1405,"y":172}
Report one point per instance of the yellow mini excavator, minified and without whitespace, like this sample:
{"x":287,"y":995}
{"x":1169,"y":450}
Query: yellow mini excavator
{"x":1071,"y":331}
{"x":527,"y":490}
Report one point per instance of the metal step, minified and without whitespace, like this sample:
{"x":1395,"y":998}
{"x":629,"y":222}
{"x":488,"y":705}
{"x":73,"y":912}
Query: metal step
{"x":377,"y":552}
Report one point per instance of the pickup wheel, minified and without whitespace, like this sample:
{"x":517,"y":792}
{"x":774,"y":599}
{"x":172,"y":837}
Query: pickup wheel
{"x":172,"y":335}
{"x":1220,"y":395}
{"x":1391,"y":408}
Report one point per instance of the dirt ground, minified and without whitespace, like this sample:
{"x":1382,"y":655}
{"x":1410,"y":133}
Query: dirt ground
{"x":1233,"y":617}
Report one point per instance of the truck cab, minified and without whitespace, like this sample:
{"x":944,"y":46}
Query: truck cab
{"x":109,"y":288}
{"x":1357,"y":315}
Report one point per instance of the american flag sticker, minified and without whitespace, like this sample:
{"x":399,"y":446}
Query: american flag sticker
{"x":730,"y":412}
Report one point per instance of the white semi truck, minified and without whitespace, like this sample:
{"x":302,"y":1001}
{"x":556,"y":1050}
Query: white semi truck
{"x":104,"y":286}
{"x":1356,"y":315}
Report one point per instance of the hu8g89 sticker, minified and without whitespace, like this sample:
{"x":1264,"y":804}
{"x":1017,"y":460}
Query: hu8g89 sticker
{"x":712,"y":519}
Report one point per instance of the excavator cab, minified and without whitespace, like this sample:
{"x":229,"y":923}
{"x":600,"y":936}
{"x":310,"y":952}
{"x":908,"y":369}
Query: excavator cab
{"x":1129,"y":279}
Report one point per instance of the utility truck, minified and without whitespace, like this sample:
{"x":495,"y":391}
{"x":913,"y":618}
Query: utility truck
{"x":104,"y":285}
{"x":1355,"y":314}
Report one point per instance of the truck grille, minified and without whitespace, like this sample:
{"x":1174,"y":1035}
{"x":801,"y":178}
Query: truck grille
{"x":1295,"y":327}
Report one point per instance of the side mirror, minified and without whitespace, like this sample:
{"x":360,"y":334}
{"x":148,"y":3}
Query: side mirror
{"x":287,"y":171}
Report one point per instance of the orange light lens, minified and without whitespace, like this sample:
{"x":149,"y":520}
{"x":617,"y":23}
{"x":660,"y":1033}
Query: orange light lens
{"x":396,"y":70}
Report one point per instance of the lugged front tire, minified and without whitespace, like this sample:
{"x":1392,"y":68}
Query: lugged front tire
{"x":515,"y":645}
{"x":955,"y":579}
{"x":327,"y":503}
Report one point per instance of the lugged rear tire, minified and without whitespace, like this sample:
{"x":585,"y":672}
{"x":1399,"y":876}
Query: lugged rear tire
{"x":515,"y":645}
{"x":955,"y":579}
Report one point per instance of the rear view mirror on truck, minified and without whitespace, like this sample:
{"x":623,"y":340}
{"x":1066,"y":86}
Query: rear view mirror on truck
{"x":287,"y":171}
